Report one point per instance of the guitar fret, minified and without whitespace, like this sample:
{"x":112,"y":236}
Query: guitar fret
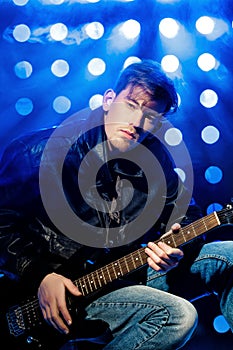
{"x":126,"y":265}
{"x":140,"y":257}
{"x":169,"y":240}
{"x":103,"y":275}
{"x":90,"y":282}
{"x":110,"y":277}
{"x":98,"y":280}
{"x":138,"y":261}
{"x":182,"y":232}
{"x":135,"y":266}
{"x":204,"y":224}
{"x":84,"y":286}
{"x":80,"y":287}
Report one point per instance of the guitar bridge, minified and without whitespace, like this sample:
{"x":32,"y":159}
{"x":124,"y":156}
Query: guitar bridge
{"x":15,"y":321}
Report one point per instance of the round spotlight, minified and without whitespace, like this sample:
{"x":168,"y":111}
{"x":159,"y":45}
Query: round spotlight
{"x":169,"y":27}
{"x":20,"y":2}
{"x":206,"y":62}
{"x":61,"y":104}
{"x":210,"y":134}
{"x":213,"y":174}
{"x":23,"y":69}
{"x":208,"y":98}
{"x":205,"y":25}
{"x":94,"y":30}
{"x":130,"y":60}
{"x":96,"y":66}
{"x":58,"y":31}
{"x":170,"y":63}
{"x":21,"y":33}
{"x":96,"y":101}
{"x":173,"y":136}
{"x":60,"y":68}
{"x":220,"y":324}
{"x":130,"y":29}
{"x":213,"y":207}
{"x":181,"y":174}
{"x":24,"y":106}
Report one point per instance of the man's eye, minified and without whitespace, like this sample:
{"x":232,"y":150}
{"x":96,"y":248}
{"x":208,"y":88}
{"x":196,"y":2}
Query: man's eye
{"x":131,"y":106}
{"x":149,"y":116}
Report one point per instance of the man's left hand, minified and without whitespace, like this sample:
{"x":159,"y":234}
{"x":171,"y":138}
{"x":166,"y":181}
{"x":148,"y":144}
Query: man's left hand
{"x":162,"y":257}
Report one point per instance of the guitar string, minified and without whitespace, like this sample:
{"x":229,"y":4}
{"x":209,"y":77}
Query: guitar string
{"x":128,"y":259}
{"x":34,"y":304}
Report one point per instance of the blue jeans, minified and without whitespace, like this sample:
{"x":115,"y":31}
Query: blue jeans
{"x":210,"y":273}
{"x":144,"y":318}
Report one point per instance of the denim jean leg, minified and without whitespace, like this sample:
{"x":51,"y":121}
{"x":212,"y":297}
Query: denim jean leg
{"x":215,"y":266}
{"x":211,"y":272}
{"x":144,"y":318}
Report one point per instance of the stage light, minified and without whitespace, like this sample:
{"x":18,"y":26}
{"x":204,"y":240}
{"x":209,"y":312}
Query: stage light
{"x":61,"y":104}
{"x":213,"y":174}
{"x":23,"y":69}
{"x":220,"y":324}
{"x":96,"y":101}
{"x":169,"y":27}
{"x":24,"y":106}
{"x":58,"y":31}
{"x":94,"y":30}
{"x":208,"y":98}
{"x":130,"y":60}
{"x":20,"y":2}
{"x":210,"y":134}
{"x":173,"y":136}
{"x":21,"y":33}
{"x":181,"y":174}
{"x":96,"y":66}
{"x":124,"y":36}
{"x":170,"y":63}
{"x":60,"y":68}
{"x":206,"y":62}
{"x":205,"y":25}
{"x":130,"y":29}
{"x":213,"y":207}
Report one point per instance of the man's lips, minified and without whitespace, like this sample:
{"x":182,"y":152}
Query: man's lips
{"x":129,"y":134}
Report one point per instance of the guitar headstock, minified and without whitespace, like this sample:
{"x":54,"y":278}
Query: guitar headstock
{"x":226,"y":214}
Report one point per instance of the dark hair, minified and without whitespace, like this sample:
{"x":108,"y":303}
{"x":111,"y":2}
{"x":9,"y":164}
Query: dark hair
{"x":149,"y":75}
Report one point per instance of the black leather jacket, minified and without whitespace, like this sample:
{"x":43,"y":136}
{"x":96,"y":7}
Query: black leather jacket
{"x":32,"y":244}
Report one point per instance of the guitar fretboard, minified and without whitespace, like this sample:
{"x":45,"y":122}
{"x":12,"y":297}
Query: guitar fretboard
{"x":118,"y":268}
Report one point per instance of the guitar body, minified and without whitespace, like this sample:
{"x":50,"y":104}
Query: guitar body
{"x":23,"y":327}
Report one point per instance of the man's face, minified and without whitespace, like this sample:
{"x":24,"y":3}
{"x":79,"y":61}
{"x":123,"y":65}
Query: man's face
{"x":130,"y":116}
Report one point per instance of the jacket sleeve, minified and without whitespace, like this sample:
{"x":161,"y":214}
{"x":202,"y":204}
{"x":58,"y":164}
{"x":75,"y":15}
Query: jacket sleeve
{"x":24,"y":245}
{"x":25,"y":254}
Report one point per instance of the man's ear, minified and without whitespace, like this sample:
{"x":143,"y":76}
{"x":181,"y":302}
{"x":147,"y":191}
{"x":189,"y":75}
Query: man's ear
{"x":108,"y":98}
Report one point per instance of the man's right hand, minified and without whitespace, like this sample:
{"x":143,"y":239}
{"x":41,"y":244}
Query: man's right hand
{"x":51,"y":294}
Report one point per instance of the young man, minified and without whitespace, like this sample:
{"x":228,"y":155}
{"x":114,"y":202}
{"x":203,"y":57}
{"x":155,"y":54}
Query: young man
{"x":97,"y":187}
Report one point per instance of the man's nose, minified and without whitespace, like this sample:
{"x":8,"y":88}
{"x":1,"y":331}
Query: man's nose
{"x":138,"y":120}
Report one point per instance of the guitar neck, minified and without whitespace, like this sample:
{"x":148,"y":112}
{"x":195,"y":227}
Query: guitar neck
{"x":133,"y":261}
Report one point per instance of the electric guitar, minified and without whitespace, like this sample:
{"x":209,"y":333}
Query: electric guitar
{"x":26,"y":317}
